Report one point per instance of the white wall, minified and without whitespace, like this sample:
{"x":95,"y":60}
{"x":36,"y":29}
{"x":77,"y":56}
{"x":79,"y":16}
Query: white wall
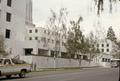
{"x":49,"y":62}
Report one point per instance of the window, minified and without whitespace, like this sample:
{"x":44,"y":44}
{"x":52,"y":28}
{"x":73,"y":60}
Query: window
{"x":1,"y":61}
{"x":0,"y":1}
{"x":36,"y":38}
{"x":30,"y":31}
{"x":9,"y":2}
{"x":102,"y":50}
{"x":7,"y":33}
{"x":45,"y":31}
{"x":7,"y":62}
{"x":108,"y":60}
{"x":48,"y":32}
{"x":102,"y":45}
{"x":43,"y":39}
{"x":30,"y":38}
{"x":97,"y":45}
{"x":85,"y":57}
{"x":48,"y":40}
{"x":8,"y":17}
{"x":107,"y":45}
{"x":52,"y":41}
{"x":103,"y":59}
{"x":36,"y":30}
{"x":107,"y":50}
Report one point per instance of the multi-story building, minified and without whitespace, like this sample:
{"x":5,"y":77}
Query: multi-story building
{"x":106,"y":46}
{"x":15,"y":16}
{"x":45,"y":41}
{"x":107,"y":49}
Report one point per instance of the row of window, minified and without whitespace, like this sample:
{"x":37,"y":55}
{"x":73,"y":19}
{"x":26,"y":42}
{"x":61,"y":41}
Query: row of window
{"x":103,"y":50}
{"x":103,"y":45}
{"x":45,"y":32}
{"x":105,"y":60}
{"x":30,"y":31}
{"x":44,"y":39}
{"x":9,"y":3}
{"x":8,"y":18}
{"x":36,"y":31}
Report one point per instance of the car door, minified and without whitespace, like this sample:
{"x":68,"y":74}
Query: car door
{"x":8,"y":66}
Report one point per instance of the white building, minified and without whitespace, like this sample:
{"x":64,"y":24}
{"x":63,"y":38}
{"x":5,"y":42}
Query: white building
{"x":107,"y":48}
{"x":44,"y":42}
{"x":15,"y":15}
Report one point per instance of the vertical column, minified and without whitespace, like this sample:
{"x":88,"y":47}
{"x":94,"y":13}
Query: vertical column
{"x":49,"y":52}
{"x":35,"y":51}
{"x":29,"y":11}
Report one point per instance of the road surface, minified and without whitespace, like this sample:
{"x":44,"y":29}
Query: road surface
{"x":91,"y":74}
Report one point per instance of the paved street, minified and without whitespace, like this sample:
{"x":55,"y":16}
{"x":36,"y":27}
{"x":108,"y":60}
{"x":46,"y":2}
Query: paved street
{"x":91,"y":74}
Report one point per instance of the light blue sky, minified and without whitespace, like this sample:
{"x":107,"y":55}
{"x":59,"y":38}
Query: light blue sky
{"x":41,"y":11}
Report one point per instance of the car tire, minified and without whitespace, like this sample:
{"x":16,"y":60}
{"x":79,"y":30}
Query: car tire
{"x":22,"y":74}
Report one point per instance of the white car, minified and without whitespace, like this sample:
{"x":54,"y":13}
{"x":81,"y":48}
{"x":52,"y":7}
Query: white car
{"x":9,"y":67}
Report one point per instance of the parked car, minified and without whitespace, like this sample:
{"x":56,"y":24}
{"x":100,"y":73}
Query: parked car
{"x":9,"y":67}
{"x":115,"y":63}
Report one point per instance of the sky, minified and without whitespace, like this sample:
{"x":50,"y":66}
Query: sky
{"x":76,"y":8}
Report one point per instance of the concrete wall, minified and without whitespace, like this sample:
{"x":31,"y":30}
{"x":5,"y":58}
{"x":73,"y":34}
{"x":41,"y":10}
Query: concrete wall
{"x":40,"y":62}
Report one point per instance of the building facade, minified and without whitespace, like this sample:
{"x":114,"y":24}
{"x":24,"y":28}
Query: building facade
{"x":107,"y":49}
{"x":44,"y":41}
{"x":14,"y":18}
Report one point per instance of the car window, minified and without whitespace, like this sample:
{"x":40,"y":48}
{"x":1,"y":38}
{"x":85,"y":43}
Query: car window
{"x":7,"y":62}
{"x":1,"y":60}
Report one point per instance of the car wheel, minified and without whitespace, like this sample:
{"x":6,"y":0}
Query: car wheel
{"x":22,"y":74}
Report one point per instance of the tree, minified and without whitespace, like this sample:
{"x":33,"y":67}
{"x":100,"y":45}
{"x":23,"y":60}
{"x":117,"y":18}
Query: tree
{"x":2,"y":47}
{"x":75,"y":39}
{"x":111,"y":35}
{"x":93,"y":50}
{"x":100,"y":5}
{"x":57,"y":25}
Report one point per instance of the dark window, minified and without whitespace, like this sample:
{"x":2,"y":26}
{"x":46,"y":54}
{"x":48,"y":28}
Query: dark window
{"x":45,"y":31}
{"x":108,"y":60}
{"x":107,"y":50}
{"x":107,"y":45}
{"x":7,"y":33}
{"x":30,"y":31}
{"x":52,"y":41}
{"x":8,"y":17}
{"x":103,"y":60}
{"x":48,"y":40}
{"x":85,"y":57}
{"x":0,"y":1}
{"x":102,"y":50}
{"x":36,"y":30}
{"x":102,"y":45}
{"x":36,"y":38}
{"x":9,"y":2}
{"x":48,"y":32}
{"x":30,"y":38}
